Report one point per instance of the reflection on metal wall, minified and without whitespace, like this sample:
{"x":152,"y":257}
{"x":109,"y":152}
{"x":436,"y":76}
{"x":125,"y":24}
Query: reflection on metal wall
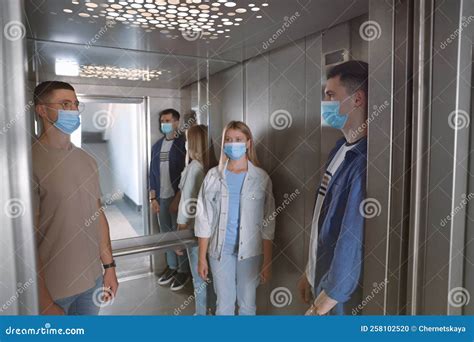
{"x":278,"y":95}
{"x":18,"y":294}
{"x":281,"y":102}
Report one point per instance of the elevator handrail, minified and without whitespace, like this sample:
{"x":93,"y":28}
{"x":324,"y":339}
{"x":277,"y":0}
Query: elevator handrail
{"x":151,"y":243}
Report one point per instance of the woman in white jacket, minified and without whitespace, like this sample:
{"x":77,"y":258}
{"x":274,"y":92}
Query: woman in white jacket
{"x":199,"y":159}
{"x":233,"y":204}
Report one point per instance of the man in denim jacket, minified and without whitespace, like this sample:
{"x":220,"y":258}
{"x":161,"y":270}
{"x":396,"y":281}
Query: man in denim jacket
{"x":334,"y":268}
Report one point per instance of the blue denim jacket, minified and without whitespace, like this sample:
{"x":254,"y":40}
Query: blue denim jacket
{"x":341,"y":231}
{"x":177,"y":159}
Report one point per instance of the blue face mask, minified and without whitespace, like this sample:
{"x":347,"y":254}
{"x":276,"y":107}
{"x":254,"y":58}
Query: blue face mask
{"x":235,"y":151}
{"x":68,"y":121}
{"x":167,"y":127}
{"x":330,"y":113}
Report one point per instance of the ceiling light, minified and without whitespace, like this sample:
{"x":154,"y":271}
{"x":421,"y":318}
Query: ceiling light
{"x":107,"y":72}
{"x":66,"y":67}
{"x":149,"y":15}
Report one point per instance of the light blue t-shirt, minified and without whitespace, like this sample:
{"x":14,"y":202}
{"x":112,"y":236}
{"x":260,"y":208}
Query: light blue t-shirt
{"x":234,"y":185}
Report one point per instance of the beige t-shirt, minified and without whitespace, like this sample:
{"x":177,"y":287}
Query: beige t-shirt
{"x":66,"y":192}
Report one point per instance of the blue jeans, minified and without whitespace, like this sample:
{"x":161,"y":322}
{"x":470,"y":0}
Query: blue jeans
{"x":82,"y":303}
{"x":236,"y":281}
{"x":204,"y":296}
{"x":168,"y":224}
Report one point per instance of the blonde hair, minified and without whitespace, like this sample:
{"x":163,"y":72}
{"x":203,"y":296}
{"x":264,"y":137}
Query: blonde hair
{"x":199,"y":148}
{"x":251,"y":153}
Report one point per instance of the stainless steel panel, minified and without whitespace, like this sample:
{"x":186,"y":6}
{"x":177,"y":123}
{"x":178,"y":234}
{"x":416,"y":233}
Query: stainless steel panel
{"x":18,"y":294}
{"x":469,"y":239}
{"x":256,"y":116}
{"x":379,"y":177}
{"x":287,"y":147}
{"x":401,"y":159}
{"x":441,"y":152}
{"x":451,"y":88}
{"x":226,"y":101}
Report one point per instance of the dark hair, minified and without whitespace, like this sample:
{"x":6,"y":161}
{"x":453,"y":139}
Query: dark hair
{"x":171,"y":111}
{"x":354,"y":75}
{"x":44,"y":89}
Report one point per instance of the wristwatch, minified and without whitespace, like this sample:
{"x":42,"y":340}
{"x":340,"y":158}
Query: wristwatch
{"x":112,"y":264}
{"x":152,"y":199}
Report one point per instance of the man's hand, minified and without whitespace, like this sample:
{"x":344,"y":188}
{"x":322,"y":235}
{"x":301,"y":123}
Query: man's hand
{"x":155,"y":206}
{"x":110,"y":284}
{"x":304,"y":289}
{"x":312,"y":311}
{"x":53,"y":309}
{"x":322,"y":305}
{"x":175,"y":203}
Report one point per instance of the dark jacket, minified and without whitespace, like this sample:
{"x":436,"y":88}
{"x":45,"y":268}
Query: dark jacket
{"x":177,"y":158}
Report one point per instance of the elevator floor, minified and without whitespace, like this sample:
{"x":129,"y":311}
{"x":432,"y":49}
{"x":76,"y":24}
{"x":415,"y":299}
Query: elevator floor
{"x":143,"y":296}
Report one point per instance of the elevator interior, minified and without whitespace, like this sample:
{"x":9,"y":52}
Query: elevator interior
{"x":264,"y":62}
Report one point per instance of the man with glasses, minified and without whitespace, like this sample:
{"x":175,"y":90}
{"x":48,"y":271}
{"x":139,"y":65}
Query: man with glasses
{"x":76,"y":270}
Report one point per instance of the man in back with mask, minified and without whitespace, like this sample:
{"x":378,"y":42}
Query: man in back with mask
{"x":334,"y":266}
{"x":168,"y":156}
{"x":75,"y":263}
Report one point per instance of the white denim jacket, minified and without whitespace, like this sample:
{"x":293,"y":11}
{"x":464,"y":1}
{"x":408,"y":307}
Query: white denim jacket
{"x":256,"y":205}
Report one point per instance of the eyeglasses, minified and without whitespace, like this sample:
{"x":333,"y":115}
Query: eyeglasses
{"x":69,"y":105}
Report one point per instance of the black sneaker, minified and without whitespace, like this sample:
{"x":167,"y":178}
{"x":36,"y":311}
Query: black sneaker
{"x":167,"y":276}
{"x":180,"y":280}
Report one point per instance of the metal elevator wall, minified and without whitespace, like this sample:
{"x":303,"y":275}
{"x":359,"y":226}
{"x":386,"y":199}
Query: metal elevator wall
{"x":278,"y":95}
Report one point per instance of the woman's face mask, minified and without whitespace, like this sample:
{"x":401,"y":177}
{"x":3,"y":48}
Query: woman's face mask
{"x":235,"y":150}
